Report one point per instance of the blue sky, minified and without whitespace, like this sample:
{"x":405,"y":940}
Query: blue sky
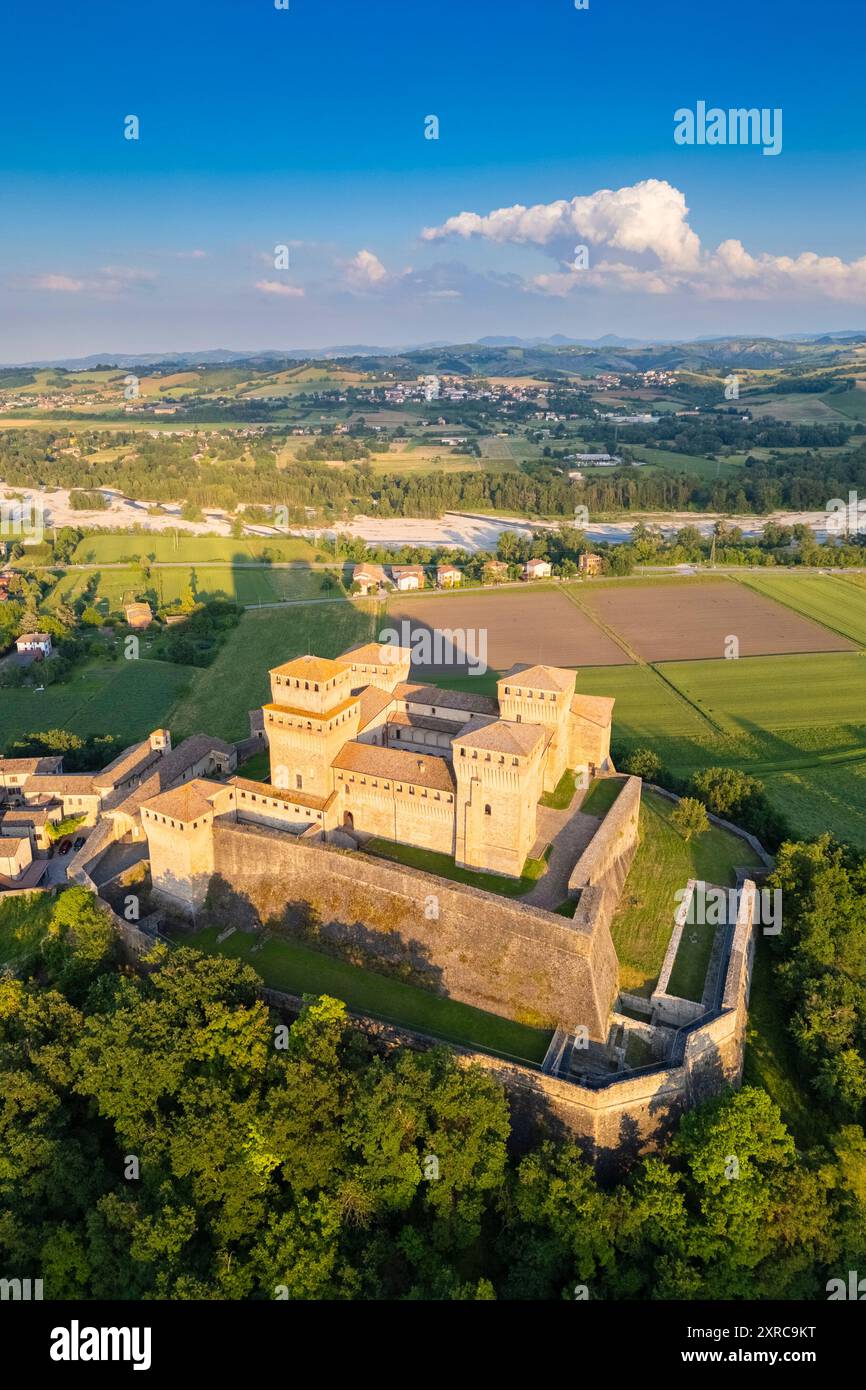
{"x":261,"y":127}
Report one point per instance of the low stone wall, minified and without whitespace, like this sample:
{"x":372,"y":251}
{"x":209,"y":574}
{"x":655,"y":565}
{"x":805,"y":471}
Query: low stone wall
{"x":607,"y":858}
{"x":752,"y":840}
{"x":492,"y":952}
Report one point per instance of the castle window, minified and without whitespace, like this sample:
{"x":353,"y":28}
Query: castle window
{"x":315,"y":686}
{"x":514,"y":762}
{"x":508,"y":690}
{"x":411,"y":791}
{"x":487,"y":811}
{"x":463,"y":752}
{"x":299,"y":781}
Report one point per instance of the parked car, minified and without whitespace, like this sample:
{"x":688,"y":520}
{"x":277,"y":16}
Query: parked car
{"x":77,"y":844}
{"x":64,"y":847}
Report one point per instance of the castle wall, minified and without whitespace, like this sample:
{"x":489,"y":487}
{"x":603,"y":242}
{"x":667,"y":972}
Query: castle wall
{"x":607,"y":858}
{"x":588,"y":743}
{"x":417,"y":816}
{"x":491,"y":952}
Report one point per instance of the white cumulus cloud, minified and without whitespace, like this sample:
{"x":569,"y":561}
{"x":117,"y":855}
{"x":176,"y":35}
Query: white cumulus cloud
{"x":277,"y":287}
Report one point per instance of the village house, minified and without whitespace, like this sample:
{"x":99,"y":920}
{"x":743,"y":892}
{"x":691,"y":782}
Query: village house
{"x":537,"y":569}
{"x":448,"y":576}
{"x":138,"y":615}
{"x":408,"y":577}
{"x":369,"y":578}
{"x":495,"y":572}
{"x":589,"y":563}
{"x":35,"y":644}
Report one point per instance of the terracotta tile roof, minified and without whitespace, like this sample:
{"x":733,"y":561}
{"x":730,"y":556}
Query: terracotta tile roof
{"x":374,"y":572}
{"x":71,"y":784}
{"x":42,"y":766}
{"x":372,"y":701}
{"x":437,"y":698}
{"x":187,"y":803}
{"x":396,"y":765}
{"x":310,"y":668}
{"x":403,"y":719}
{"x":502,"y":736}
{"x":598,"y":709}
{"x":292,"y":798}
{"x":376,"y":654}
{"x":130,"y":763}
{"x":320,"y":715}
{"x":540,"y":677}
{"x":30,"y":815}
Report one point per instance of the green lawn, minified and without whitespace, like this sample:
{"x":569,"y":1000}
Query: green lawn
{"x":443,"y":864}
{"x":257,"y":768}
{"x":298,"y":969}
{"x":829,"y":599}
{"x":116,"y":587}
{"x":601,"y":795}
{"x":23,"y":922}
{"x":125,"y":698}
{"x":220,"y":696}
{"x":562,"y":794}
{"x":112,"y":547}
{"x":663,"y":864}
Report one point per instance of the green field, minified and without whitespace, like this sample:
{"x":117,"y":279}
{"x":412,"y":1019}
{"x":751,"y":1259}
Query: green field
{"x":663,"y":864}
{"x":124,"y":698}
{"x":696,"y":464}
{"x":114,"y":547}
{"x":297,"y":969}
{"x":220,"y":696}
{"x":115,"y":587}
{"x":831,"y":599}
{"x":800,"y":408}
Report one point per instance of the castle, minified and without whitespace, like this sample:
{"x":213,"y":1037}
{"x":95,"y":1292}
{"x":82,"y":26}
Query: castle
{"x":357,"y":749}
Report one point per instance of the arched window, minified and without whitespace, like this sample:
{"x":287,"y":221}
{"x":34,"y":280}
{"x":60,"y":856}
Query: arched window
{"x":487,"y":811}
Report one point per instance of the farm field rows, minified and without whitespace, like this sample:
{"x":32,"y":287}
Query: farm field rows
{"x":836,"y":600}
{"x":520,"y":625}
{"x":697,"y":621}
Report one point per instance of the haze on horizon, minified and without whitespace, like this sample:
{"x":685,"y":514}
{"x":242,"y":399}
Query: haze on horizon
{"x":305,"y":129}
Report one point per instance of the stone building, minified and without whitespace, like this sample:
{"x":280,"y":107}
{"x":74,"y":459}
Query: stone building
{"x":357,"y":749}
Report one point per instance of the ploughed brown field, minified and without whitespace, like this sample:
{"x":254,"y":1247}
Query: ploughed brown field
{"x":530,"y":626}
{"x":667,"y":623}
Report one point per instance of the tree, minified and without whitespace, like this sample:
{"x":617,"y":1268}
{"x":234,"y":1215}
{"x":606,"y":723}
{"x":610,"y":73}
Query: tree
{"x":643,"y":762}
{"x":689,"y":817}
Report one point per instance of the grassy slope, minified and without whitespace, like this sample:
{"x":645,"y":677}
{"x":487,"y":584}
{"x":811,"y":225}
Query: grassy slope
{"x":663,"y":864}
{"x":125,"y":698}
{"x":220,"y":696}
{"x":300,"y":970}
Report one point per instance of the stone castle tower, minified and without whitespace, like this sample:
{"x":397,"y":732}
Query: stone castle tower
{"x":312,"y":714}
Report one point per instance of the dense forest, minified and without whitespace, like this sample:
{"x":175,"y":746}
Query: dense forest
{"x":163,"y":1135}
{"x":227,"y":472}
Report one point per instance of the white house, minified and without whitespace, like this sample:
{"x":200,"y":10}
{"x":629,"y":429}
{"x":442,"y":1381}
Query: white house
{"x":37,"y":643}
{"x":537,"y":569}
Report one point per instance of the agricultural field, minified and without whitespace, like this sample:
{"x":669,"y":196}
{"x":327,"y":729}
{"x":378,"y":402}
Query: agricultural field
{"x":525,"y":625}
{"x":495,"y":448}
{"x":798,"y":408}
{"x":696,"y":621}
{"x":115,"y":547}
{"x":113,"y":588}
{"x":838,"y":601}
{"x":696,"y":464}
{"x":220,"y":696}
{"x":124,"y":698}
